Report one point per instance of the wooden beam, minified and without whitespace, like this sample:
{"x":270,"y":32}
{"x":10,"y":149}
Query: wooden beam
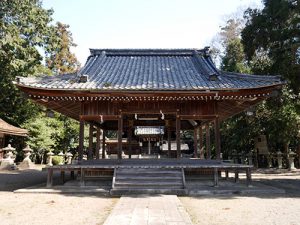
{"x":120,"y":130}
{"x":99,"y":117}
{"x":90,"y":151}
{"x":98,"y":142}
{"x":197,"y":117}
{"x":207,"y":133}
{"x":81,"y":140}
{"x":178,"y":143}
{"x":217,"y":138}
{"x":103,"y":144}
{"x":195,"y":142}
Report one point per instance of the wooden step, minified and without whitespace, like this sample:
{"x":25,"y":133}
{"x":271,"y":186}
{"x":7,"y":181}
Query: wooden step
{"x":156,"y":178}
{"x":147,"y":180}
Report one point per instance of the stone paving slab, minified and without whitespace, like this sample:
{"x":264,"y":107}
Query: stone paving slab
{"x":149,"y":210}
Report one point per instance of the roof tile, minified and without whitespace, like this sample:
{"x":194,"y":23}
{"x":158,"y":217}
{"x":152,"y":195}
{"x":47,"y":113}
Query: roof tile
{"x":150,"y":69}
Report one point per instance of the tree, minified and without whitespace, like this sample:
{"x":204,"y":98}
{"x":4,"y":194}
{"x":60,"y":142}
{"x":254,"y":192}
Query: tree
{"x":25,"y":31}
{"x":24,"y":27}
{"x":234,"y":58}
{"x":280,"y":119}
{"x":275,"y":29}
{"x":271,"y":41}
{"x":62,"y":60}
{"x":42,"y":133}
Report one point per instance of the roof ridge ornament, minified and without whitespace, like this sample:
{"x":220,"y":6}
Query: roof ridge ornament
{"x":206,"y":51}
{"x":83,"y":78}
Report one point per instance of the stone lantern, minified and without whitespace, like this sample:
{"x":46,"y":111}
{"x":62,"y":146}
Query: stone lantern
{"x":61,"y":155}
{"x":8,"y":161}
{"x":26,"y":163}
{"x":291,"y":157}
{"x":49,"y":159}
{"x":269,"y":159}
{"x":69,"y":157}
{"x":279,"y":159}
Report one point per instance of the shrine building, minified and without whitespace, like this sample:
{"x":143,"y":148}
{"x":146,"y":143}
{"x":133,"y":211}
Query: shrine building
{"x":149,"y":97}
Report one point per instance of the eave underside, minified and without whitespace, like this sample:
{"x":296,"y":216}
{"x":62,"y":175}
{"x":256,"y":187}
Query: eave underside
{"x":103,"y":109}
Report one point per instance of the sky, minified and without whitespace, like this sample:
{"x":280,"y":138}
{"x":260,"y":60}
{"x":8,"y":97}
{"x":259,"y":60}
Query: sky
{"x":143,"y":23}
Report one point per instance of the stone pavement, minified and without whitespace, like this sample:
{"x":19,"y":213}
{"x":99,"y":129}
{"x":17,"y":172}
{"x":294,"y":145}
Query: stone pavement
{"x":148,"y":210}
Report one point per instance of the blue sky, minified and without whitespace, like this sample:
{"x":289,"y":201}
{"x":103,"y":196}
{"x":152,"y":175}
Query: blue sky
{"x":141,"y":23}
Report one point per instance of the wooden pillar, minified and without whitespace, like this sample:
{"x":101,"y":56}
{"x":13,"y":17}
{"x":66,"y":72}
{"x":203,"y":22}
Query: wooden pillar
{"x":216,"y":177}
{"x":129,"y":142}
{"x":90,"y":151}
{"x":103,"y":143}
{"x":120,"y":130}
{"x":98,"y":142}
{"x":50,"y":177}
{"x":169,"y":142}
{"x":201,"y":147}
{"x":195,"y":142}
{"x":178,"y":136}
{"x":207,"y":133}
{"x":81,"y":140}
{"x":217,"y":138}
{"x":248,"y":175}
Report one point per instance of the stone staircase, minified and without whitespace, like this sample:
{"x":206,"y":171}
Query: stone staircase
{"x":148,"y":181}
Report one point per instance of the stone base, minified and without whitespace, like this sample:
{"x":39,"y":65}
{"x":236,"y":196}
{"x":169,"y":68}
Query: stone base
{"x":7,"y":165}
{"x":25,"y":165}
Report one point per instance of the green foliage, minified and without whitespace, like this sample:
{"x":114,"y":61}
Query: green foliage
{"x":280,"y":119}
{"x":275,"y":29}
{"x":58,"y":133}
{"x":24,"y":27}
{"x":40,"y":136}
{"x":26,"y":32}
{"x":70,"y":133}
{"x":234,"y":60}
{"x":269,"y":40}
{"x":56,"y":160}
{"x":238,"y":134}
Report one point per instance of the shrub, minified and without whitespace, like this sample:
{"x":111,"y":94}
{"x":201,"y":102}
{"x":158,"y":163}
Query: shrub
{"x":57,"y":160}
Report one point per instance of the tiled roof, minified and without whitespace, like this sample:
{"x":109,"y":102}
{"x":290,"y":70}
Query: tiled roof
{"x":150,"y":69}
{"x":6,"y":128}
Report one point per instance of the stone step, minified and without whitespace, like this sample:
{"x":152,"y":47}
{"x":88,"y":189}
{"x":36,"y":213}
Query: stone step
{"x":134,"y":191}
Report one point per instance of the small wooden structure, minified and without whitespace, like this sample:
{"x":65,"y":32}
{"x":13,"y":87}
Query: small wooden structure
{"x":121,"y":89}
{"x":8,"y":129}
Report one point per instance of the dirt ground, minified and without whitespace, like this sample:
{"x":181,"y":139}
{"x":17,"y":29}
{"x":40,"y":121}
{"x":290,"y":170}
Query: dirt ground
{"x":36,"y":209}
{"x":252,"y":210}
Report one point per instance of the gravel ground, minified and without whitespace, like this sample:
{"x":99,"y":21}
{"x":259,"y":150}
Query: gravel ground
{"x":72,"y":209}
{"x":252,"y":210}
{"x":36,"y":209}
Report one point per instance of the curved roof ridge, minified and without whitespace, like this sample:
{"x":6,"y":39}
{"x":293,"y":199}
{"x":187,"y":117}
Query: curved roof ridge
{"x":145,"y":51}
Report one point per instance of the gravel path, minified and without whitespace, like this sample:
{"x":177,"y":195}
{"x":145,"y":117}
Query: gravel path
{"x":250,"y":210}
